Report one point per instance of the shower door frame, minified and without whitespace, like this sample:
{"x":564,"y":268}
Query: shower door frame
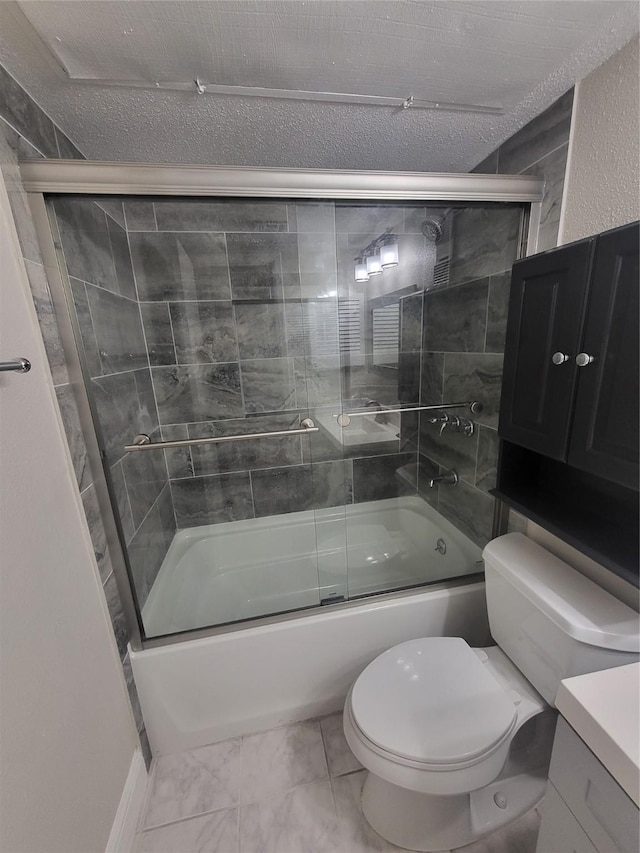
{"x":91,"y":178}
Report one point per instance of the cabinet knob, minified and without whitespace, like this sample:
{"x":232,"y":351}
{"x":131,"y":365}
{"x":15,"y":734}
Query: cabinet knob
{"x":583,"y":359}
{"x":559,"y":358}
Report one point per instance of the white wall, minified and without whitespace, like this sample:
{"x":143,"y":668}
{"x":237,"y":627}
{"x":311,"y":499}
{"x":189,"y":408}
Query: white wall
{"x":601,"y":192}
{"x":603,"y":175}
{"x":67,"y":735}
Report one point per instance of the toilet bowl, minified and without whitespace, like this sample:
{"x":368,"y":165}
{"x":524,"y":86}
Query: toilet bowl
{"x":457,"y":740}
{"x":434,"y":720}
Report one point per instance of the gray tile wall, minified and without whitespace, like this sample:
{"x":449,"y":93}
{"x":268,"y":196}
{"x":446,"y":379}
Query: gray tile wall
{"x":27,"y":132}
{"x":463,"y":344}
{"x":96,"y":251}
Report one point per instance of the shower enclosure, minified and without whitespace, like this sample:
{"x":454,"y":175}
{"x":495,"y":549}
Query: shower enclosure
{"x":294,"y":390}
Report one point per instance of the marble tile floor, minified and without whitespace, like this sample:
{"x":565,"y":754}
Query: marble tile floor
{"x":294,"y":789}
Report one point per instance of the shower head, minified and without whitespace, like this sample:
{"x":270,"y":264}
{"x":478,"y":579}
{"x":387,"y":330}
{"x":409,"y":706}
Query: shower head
{"x":432,"y":226}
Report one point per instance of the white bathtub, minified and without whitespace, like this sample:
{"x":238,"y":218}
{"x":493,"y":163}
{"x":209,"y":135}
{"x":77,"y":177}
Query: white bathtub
{"x":249,"y":679}
{"x":222,"y":573}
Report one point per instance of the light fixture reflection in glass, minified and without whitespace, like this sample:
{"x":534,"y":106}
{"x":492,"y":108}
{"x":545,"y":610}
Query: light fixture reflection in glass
{"x":374,"y":267}
{"x":361,"y":273}
{"x":389,"y":253}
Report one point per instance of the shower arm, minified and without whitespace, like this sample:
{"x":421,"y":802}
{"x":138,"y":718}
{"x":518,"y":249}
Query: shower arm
{"x":143,"y":442}
{"x":344,"y":419}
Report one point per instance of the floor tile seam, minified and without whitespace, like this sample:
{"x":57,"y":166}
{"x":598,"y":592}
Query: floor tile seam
{"x":283,"y":792}
{"x":143,"y":829}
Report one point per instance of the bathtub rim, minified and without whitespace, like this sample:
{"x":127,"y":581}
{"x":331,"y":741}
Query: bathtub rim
{"x":195,"y":634}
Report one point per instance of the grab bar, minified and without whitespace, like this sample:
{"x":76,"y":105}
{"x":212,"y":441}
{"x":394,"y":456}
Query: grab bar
{"x":143,"y":442}
{"x":344,"y":419}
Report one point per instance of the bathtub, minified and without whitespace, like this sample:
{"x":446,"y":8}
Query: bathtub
{"x":254,"y":677}
{"x":221,"y":573}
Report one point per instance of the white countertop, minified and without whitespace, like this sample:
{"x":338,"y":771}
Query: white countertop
{"x":604,"y":709}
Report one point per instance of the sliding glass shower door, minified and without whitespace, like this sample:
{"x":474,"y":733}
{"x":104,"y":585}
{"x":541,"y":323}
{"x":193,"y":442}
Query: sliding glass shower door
{"x":264,"y":394}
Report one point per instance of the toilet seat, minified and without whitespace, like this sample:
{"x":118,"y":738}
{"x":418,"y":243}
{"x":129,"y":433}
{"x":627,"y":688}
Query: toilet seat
{"x":432,"y":704}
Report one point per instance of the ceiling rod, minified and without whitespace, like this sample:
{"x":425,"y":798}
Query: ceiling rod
{"x":201,"y":88}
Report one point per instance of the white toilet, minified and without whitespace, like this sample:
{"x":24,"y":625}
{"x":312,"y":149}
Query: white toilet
{"x":457,"y":740}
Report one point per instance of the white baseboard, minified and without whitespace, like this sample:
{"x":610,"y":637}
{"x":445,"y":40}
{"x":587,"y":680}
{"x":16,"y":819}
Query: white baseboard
{"x":125,"y":823}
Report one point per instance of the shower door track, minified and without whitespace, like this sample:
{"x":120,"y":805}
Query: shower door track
{"x":84,"y":177}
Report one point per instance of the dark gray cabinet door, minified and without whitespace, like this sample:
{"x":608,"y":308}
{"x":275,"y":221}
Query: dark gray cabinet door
{"x":546,"y":312}
{"x":604,"y":438}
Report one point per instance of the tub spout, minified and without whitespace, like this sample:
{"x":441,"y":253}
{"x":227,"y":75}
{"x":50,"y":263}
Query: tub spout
{"x":449,"y":478}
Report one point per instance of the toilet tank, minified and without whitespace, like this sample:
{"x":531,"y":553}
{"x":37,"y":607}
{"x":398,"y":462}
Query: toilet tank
{"x":552,"y":621}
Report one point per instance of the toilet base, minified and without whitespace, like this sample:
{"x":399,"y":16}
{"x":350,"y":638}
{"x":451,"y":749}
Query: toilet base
{"x":430,"y":823}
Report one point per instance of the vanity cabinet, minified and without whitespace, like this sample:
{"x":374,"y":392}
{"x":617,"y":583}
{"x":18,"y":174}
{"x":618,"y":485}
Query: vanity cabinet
{"x":584,"y":809}
{"x":568,"y":425}
{"x":570,"y":383}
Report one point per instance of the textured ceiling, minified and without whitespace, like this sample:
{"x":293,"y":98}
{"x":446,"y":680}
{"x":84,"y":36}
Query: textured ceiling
{"x":517,"y":55}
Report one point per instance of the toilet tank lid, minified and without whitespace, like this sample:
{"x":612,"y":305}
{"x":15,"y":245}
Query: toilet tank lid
{"x":582,"y":609}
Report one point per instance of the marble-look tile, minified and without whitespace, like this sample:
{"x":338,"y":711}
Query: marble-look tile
{"x":485,"y":242}
{"x":282,"y":490}
{"x":22,"y":113}
{"x":300,"y":820}
{"x":212,"y":500}
{"x":85,"y":322}
{"x":517,"y":522}
{"x":224,"y":215}
{"x":121,"y":259}
{"x":67,"y":150}
{"x":431,"y":378}
{"x":118,"y":622}
{"x":118,"y":331}
{"x":113,"y":208}
{"x":75,"y":437}
{"x":268,"y":385}
{"x":158,"y":333}
{"x":319,"y":382}
{"x":411,"y":322}
{"x":174,"y":266}
{"x":280,"y":759}
{"x":332,"y":483}
{"x":261,"y":330}
{"x":257,"y":263}
{"x":552,"y":170}
{"x":469,"y":509}
{"x":454,"y":451}
{"x":47,"y":321}
{"x":197,"y":392}
{"x":315,"y":217}
{"x":455,"y":318}
{"x":139,"y":216}
{"x":497,"y":310}
{"x":353,"y":833}
{"x":85,"y":241}
{"x":409,"y":378}
{"x":519,"y":837}
{"x":246,"y":455}
{"x":339,"y":757}
{"x":317,"y":257}
{"x":414,"y":217}
{"x":147,"y":412}
{"x":488,"y":166}
{"x":145,"y":475}
{"x":179,"y":459}
{"x":409,"y":430}
{"x":190,"y":783}
{"x":147,"y":550}
{"x":204,"y":332}
{"x":376,"y":478}
{"x":369,"y":220}
{"x":370,"y":383}
{"x":211,"y":833}
{"x":167,"y":516}
{"x":122,"y":500}
{"x":96,"y":531}
{"x":475,"y":376}
{"x":487,"y":466}
{"x":118,"y":408}
{"x":21,"y":214}
{"x":543,"y":134}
